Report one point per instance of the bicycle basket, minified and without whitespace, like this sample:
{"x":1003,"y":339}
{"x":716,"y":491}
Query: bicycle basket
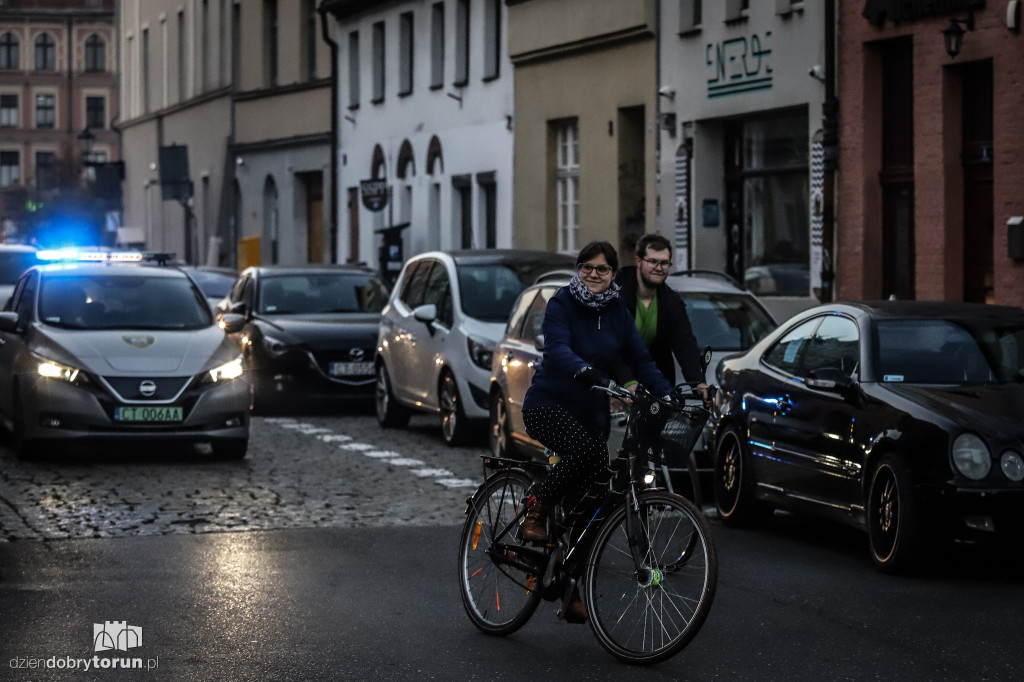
{"x":668,"y":433}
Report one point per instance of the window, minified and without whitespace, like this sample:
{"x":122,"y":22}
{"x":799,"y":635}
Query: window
{"x":567,"y":183}
{"x":353,"y":69}
{"x":785,"y":354}
{"x":9,"y":52}
{"x":46,"y":53}
{"x":437,"y":45}
{"x":415,"y":283}
{"x":145,"y":62}
{"x":492,"y":38}
{"x":182,"y":58}
{"x":95,"y":113}
{"x":270,"y":40}
{"x":10,"y":169}
{"x":438,"y":291}
{"x":835,"y":345}
{"x":379,"y":56}
{"x":204,"y":41}
{"x":691,"y":15}
{"x":46,"y":111}
{"x":95,"y":54}
{"x":461,"y":42}
{"x":9,"y":117}
{"x":310,"y":37}
{"x":45,"y":178}
{"x":736,"y":9}
{"x":405,"y":58}
{"x":222,"y":42}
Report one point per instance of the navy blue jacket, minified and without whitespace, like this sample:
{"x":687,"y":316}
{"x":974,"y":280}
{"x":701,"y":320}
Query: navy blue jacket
{"x":576,"y":336}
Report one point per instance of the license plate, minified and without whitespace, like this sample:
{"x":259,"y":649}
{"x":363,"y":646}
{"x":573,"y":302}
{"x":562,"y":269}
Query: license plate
{"x":147,"y":414}
{"x":338,"y":369}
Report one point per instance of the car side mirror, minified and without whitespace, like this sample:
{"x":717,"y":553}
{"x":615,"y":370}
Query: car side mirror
{"x":829,"y":379}
{"x":425,"y":313}
{"x":231,"y":323}
{"x":9,"y":322}
{"x":538,"y":342}
{"x":239,"y":308}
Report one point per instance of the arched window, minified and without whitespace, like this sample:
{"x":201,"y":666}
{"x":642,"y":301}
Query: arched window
{"x":435,"y":162}
{"x":46,"y":53}
{"x":95,"y":53}
{"x":9,"y":52}
{"x":378,"y":168}
{"x":406,"y":161}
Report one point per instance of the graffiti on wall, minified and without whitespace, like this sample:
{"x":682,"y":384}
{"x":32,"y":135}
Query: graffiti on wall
{"x":739,"y":65}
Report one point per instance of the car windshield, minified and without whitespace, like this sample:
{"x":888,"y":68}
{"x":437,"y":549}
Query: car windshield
{"x":13,"y":263}
{"x":726,"y":321}
{"x":122,"y":302}
{"x":319,"y":293}
{"x":949,"y":351}
{"x":490,"y":289}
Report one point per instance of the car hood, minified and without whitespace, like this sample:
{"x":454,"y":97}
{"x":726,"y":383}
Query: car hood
{"x":322,"y":332}
{"x":155,"y":352}
{"x":990,"y":408}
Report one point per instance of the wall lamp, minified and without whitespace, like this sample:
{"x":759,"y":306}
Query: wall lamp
{"x":953,"y":35}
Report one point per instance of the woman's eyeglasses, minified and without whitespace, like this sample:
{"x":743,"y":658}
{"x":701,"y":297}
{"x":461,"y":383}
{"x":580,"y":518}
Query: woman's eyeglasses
{"x":587,"y":268}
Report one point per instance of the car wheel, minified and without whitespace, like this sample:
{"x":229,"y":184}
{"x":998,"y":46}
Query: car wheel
{"x":389,"y":412}
{"x":234,"y":448}
{"x":454,"y":425}
{"x":894,"y":532}
{"x":733,"y":484}
{"x":498,"y":433}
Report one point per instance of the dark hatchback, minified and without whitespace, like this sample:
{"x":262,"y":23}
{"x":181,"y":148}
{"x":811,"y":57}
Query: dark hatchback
{"x":310,"y":332}
{"x":902,"y":418}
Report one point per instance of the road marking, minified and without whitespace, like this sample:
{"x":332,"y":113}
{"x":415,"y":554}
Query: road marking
{"x":457,"y":483}
{"x":406,"y":462}
{"x":357,"y":446}
{"x":333,"y":437}
{"x":383,"y":454}
{"x":432,"y":473}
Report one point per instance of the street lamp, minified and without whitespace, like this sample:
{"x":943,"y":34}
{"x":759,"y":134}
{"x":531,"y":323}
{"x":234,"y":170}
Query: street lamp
{"x":953,"y":35}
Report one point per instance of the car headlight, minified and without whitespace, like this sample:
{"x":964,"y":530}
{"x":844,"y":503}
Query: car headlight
{"x":1012,"y":466}
{"x":227,"y":371}
{"x":481,"y":351}
{"x":971,"y":457}
{"x":275,"y":347}
{"x":55,"y":370}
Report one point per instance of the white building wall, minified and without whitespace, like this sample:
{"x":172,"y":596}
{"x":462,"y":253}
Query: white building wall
{"x":472,"y":123}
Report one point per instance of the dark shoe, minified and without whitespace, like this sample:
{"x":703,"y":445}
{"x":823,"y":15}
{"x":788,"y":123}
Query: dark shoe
{"x":576,"y":611}
{"x":533,"y":528}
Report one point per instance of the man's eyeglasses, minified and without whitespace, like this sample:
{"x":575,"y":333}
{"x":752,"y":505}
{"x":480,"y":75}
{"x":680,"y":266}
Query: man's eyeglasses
{"x":659,"y":264}
{"x":587,"y":268}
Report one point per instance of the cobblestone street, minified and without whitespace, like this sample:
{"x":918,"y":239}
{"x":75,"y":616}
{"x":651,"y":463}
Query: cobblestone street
{"x":300,"y":472}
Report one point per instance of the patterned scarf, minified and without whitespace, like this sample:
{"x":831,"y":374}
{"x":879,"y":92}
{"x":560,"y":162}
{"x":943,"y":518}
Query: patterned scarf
{"x":588,"y":298}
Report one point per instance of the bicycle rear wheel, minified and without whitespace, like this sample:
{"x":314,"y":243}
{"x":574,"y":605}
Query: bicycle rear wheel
{"x":498,"y":583}
{"x":649,"y":615}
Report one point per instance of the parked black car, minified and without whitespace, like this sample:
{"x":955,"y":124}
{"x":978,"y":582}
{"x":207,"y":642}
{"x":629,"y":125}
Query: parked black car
{"x":899,"y":417}
{"x":310,"y":332}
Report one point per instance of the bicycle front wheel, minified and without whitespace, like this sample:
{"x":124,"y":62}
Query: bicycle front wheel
{"x":498,"y":581}
{"x":649,"y":614}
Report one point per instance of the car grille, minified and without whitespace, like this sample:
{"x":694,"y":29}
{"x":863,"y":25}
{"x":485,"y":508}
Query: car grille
{"x":130,"y":388}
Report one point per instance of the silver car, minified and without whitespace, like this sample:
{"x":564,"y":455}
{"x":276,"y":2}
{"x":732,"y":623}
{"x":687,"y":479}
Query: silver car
{"x":108,"y":352}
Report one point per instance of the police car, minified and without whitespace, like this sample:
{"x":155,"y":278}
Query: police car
{"x":102,"y":347}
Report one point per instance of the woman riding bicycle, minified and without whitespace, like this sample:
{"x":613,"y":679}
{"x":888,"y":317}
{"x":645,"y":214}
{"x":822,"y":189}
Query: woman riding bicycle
{"x":587,"y":330}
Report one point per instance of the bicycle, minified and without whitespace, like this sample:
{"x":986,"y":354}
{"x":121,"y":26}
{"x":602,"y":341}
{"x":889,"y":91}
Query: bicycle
{"x":645,"y":556}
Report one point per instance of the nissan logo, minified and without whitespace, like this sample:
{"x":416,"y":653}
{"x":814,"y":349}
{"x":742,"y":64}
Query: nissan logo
{"x":147,"y":388}
{"x":356,"y":354}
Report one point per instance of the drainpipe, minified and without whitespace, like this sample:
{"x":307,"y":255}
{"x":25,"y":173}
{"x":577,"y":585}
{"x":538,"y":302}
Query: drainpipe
{"x":830,"y":142}
{"x":334,"y":134}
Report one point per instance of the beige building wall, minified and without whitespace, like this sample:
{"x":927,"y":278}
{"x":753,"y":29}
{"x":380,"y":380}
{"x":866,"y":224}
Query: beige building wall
{"x":592,"y":60}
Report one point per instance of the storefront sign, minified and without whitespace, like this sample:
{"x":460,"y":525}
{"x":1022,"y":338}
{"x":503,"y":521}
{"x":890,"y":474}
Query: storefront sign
{"x":739,"y":65}
{"x":877,"y":12}
{"x":374,"y":194}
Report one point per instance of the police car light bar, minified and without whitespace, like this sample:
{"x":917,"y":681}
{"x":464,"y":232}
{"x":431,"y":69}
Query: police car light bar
{"x":75,"y":255}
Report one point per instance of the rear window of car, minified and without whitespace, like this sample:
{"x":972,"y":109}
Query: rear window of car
{"x":321,"y":293}
{"x":726,"y":322}
{"x":122,"y":302}
{"x":489,"y":290}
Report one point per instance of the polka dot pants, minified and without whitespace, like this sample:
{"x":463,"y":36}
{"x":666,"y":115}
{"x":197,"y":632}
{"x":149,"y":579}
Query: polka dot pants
{"x":582,"y":453}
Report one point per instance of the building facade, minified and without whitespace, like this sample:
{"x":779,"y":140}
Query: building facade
{"x":57,"y":79}
{"x":585,"y":121}
{"x":425,"y":102}
{"x":930,"y":174}
{"x":742,"y":187}
{"x":227,"y":129}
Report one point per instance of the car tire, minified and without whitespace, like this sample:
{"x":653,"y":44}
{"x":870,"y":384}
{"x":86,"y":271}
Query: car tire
{"x":389,"y":413}
{"x":733,"y":485}
{"x":498,"y":435}
{"x":893,"y":517}
{"x":455,"y":427}
{"x":234,"y":448}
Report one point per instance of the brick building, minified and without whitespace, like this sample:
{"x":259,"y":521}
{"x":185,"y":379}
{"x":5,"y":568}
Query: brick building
{"x":930,"y":173}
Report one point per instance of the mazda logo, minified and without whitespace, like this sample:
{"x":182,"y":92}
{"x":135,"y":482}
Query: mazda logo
{"x":147,"y":388}
{"x":356,"y":354}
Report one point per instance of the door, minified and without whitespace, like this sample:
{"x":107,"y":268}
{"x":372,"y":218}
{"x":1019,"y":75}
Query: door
{"x":314,"y":217}
{"x":12,"y":343}
{"x":404,"y":333}
{"x":431,"y":349}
